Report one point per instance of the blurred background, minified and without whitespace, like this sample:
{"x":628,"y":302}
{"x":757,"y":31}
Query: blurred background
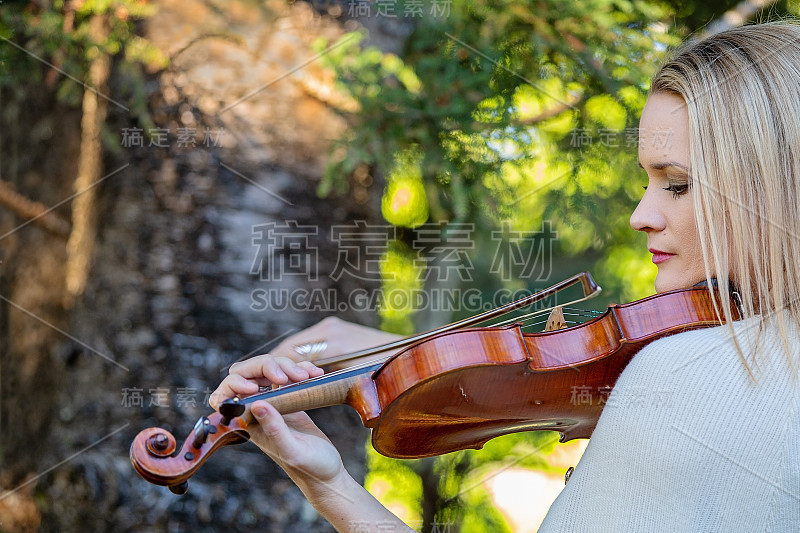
{"x":184,"y":184}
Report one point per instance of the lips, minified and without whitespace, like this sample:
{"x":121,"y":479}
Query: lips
{"x":659,"y":256}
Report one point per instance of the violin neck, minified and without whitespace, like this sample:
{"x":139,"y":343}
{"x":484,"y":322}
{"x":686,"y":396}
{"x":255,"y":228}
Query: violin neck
{"x":351,"y":386}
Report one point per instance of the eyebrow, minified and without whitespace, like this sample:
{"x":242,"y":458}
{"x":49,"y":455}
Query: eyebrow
{"x":666,"y":164}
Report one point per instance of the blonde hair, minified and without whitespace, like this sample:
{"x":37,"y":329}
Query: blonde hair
{"x":742,"y":92}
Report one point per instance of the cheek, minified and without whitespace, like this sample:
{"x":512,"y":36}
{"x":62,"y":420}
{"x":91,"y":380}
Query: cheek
{"x":691,"y":250}
{"x":686,"y":226}
{"x":689,"y":237}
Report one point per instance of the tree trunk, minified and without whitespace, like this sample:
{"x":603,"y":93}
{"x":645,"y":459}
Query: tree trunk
{"x":90,"y":165}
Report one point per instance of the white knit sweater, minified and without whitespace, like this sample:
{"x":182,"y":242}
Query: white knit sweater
{"x":689,"y":442}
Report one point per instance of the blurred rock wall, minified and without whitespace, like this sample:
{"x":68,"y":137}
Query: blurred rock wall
{"x":241,"y":140}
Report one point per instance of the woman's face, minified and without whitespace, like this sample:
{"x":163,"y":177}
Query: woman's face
{"x":665,"y":212}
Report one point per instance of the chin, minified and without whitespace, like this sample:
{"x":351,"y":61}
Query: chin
{"x":668,"y":283}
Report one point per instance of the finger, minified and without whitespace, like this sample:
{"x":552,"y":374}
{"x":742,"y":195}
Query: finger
{"x":262,"y":366}
{"x":278,"y":370}
{"x":302,"y":423}
{"x":274,"y":428}
{"x":312,"y":369}
{"x":296,"y":371}
{"x":233,"y":385}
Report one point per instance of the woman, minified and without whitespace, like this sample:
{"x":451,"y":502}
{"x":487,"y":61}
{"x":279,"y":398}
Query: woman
{"x":702,"y":430}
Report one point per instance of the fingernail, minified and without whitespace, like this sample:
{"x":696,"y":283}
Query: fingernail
{"x":259,"y":411}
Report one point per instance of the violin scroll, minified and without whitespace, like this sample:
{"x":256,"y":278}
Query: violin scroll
{"x":156,"y":457}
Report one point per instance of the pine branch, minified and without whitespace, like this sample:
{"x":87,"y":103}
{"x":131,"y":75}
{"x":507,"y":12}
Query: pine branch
{"x":35,"y":212}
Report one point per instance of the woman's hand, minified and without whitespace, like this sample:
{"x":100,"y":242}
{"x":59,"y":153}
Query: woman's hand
{"x":333,"y":336}
{"x":293,"y":441}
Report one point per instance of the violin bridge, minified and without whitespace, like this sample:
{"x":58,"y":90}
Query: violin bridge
{"x":556,"y":320}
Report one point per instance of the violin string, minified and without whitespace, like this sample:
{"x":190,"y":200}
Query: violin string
{"x":546,"y":321}
{"x":549,"y":309}
{"x":328,"y":375}
{"x":529,"y":326}
{"x":521,"y":318}
{"x":420,"y":337}
{"x":569,"y":311}
{"x":534,"y":314}
{"x":590,"y":290}
{"x":585,"y":312}
{"x":581,"y":312}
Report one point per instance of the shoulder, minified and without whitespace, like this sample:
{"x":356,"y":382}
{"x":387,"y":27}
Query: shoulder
{"x":716,"y":338}
{"x":694,"y":388}
{"x":669,"y":355}
{"x":684,"y":428}
{"x":752,"y":348}
{"x":702,"y":373}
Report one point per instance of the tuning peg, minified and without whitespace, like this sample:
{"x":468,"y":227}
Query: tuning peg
{"x":201,"y":430}
{"x":230,"y":409}
{"x":179,"y":489}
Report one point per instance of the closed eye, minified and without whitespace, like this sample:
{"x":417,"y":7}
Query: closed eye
{"x":677,"y":190}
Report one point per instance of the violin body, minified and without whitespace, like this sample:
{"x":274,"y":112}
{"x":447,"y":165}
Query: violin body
{"x":456,"y":390}
{"x":488,"y":382}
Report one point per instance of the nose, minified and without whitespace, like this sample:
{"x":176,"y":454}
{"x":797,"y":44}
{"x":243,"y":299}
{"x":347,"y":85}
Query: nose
{"x":648,"y":216}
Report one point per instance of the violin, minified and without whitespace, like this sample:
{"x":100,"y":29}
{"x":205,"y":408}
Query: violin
{"x":457,"y":387}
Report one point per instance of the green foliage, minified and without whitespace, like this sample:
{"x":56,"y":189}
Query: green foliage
{"x":401,"y":278}
{"x":395,"y":484}
{"x":514,"y":115}
{"x":57,"y":40}
{"x":404,"y":202}
{"x":513,"y":105}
